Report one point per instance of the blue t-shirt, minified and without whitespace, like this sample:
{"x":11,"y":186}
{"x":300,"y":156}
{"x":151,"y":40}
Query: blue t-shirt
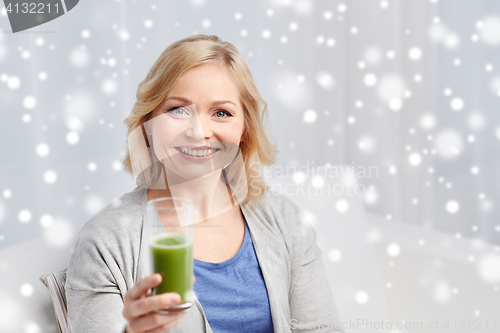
{"x":233,"y":293}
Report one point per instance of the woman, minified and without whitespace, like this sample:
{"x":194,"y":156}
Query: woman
{"x":197,"y":131}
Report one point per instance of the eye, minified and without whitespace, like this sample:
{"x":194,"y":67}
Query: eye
{"x":177,"y":110}
{"x":221,"y":113}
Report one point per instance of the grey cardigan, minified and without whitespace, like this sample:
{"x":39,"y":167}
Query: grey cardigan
{"x":111,"y":254}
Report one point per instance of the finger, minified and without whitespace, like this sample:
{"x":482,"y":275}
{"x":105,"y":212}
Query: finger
{"x":194,"y":279}
{"x":176,"y":321}
{"x":141,"y":287}
{"x":147,"y":304}
{"x":148,"y":294}
{"x":151,"y":323}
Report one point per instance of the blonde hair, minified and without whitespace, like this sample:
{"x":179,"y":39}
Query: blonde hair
{"x":256,"y":149}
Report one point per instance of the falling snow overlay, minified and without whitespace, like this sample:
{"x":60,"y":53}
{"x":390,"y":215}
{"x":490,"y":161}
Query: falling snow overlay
{"x":386,"y":115}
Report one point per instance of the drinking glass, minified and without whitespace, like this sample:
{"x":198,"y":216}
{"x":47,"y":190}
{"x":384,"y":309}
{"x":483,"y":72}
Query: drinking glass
{"x":170,"y":238}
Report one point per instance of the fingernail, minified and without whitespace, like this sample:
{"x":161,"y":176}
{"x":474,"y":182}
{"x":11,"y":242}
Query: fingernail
{"x":175,"y":298}
{"x":156,"y":278}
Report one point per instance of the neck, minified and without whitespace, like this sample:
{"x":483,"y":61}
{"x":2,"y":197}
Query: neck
{"x":211,"y":197}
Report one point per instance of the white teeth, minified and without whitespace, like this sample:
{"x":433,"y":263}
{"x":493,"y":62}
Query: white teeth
{"x":198,"y":152}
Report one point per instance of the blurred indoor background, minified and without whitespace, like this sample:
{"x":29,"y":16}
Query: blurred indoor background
{"x":404,"y":93}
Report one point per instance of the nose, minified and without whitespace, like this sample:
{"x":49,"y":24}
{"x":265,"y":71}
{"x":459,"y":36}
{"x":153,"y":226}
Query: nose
{"x":199,"y":129}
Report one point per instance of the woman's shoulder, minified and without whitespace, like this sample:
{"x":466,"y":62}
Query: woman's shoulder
{"x":120,"y":215}
{"x":282,"y":211}
{"x":298,"y":233}
{"x":278,"y":205}
{"x":106,"y":243}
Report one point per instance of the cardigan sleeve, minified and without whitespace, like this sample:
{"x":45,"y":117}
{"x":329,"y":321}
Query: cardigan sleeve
{"x":94,"y":300}
{"x":312,"y":306}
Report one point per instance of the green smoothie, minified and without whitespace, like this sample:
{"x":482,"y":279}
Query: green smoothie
{"x":172,"y":257}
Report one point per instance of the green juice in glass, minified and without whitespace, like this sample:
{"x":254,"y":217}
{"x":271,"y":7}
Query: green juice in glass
{"x":172,"y":257}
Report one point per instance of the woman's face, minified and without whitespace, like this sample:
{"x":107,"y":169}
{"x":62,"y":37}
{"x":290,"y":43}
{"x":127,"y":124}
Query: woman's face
{"x":197,"y":128}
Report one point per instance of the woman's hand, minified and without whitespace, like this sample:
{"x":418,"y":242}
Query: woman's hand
{"x":140,"y":308}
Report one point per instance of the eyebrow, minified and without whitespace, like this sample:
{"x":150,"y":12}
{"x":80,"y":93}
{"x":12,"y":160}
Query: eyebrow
{"x":185,"y":100}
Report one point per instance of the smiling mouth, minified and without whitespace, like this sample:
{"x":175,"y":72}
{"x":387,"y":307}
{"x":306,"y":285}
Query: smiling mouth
{"x":197,"y":152}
